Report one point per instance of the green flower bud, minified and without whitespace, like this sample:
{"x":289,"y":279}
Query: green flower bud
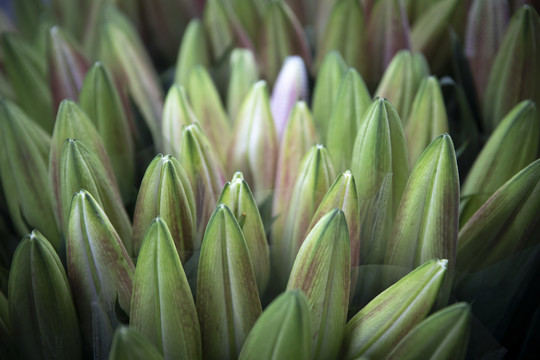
{"x":100,"y":270}
{"x":26,"y":71}
{"x":27,"y":13}
{"x":192,"y":51}
{"x":281,"y":36}
{"x":123,"y":53}
{"x":23,"y":173}
{"x":314,"y":179}
{"x":401,"y":80}
{"x":73,"y":123}
{"x":243,"y":74}
{"x":327,"y":83}
{"x":204,"y":172}
{"x":506,"y":223}
{"x":41,"y":310}
{"x":254,"y":147}
{"x":486,"y":24}
{"x":129,"y":344}
{"x":177,"y":113}
{"x":427,"y":118}
{"x":238,"y":197}
{"x":7,"y":345}
{"x":322,"y":271}
{"x":299,"y":136}
{"x":227,"y":298}
{"x":512,"y":146}
{"x":162,"y":307}
{"x":82,"y":169}
{"x":165,"y":192}
{"x":443,"y":335}
{"x":209,"y":110}
{"x":426,"y":224}
{"x":283,"y":331}
{"x":67,"y":66}
{"x":100,"y":99}
{"x":351,"y":103}
{"x":514,"y":75}
{"x":380,"y":168}
{"x":345,"y":33}
{"x":376,"y":329}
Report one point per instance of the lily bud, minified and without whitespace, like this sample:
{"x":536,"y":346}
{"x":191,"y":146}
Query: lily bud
{"x":243,"y":74}
{"x":100,"y":270}
{"x":426,"y":224}
{"x":281,"y":36}
{"x":128,"y":343}
{"x":376,"y":329}
{"x":351,"y":103}
{"x":427,"y":118}
{"x":41,"y":310}
{"x":512,"y":146}
{"x":166,"y":192}
{"x":401,"y":80}
{"x":225,"y":273}
{"x":514,"y":75}
{"x":283,"y":331}
{"x":254,"y":148}
{"x":329,"y":76}
{"x":314,"y":179}
{"x":238,"y":197}
{"x":123,"y":53}
{"x":7,"y":346}
{"x":27,"y":13}
{"x":177,"y":113}
{"x":322,"y":271}
{"x":26,"y":71}
{"x":381,"y":171}
{"x":444,"y":335}
{"x":192,"y":51}
{"x":345,"y":33}
{"x":23,"y":173}
{"x":162,"y":307}
{"x":507,"y":222}
{"x":300,"y":135}
{"x":209,"y":110}
{"x":342,"y":195}
{"x":73,"y":123}
{"x":67,"y":66}
{"x":204,"y":172}
{"x":291,"y":86}
{"x":82,"y":169}
{"x":100,"y":99}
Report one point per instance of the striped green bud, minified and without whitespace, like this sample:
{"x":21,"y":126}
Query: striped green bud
{"x":426,"y":224}
{"x":100,"y":270}
{"x":512,"y":146}
{"x":166,"y":192}
{"x":243,"y":74}
{"x":129,"y":344}
{"x":427,"y":118}
{"x":227,"y":298}
{"x":177,"y":113}
{"x":376,"y":329}
{"x":254,"y":149}
{"x":100,"y":99}
{"x":322,"y":271}
{"x":237,"y":196}
{"x":514,"y":75}
{"x":327,"y":83}
{"x":27,"y":13}
{"x":283,"y":331}
{"x":7,"y":345}
{"x":41,"y":310}
{"x":192,"y":51}
{"x":443,"y":335}
{"x":351,"y":103}
{"x":506,"y":223}
{"x":162,"y":307}
{"x":23,"y":171}
{"x":401,"y":80}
